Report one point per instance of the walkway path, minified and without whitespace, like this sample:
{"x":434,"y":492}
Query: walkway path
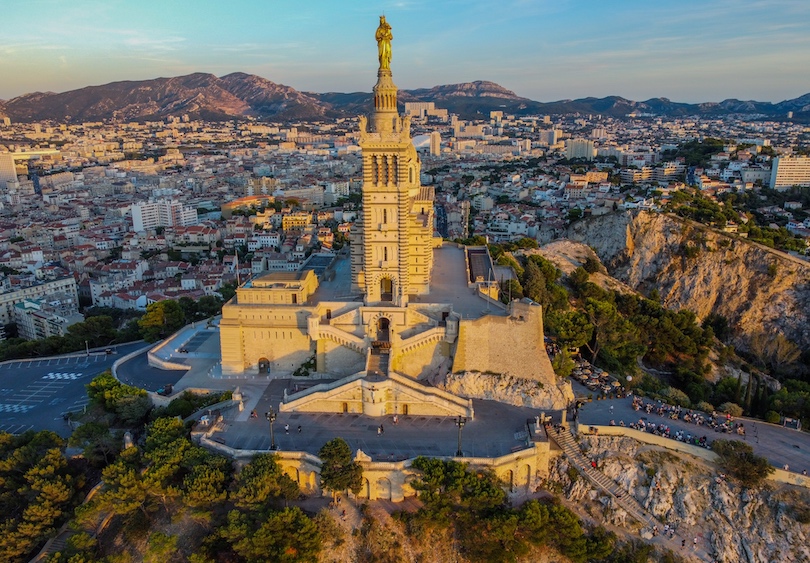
{"x":782,"y":446}
{"x":627,"y":502}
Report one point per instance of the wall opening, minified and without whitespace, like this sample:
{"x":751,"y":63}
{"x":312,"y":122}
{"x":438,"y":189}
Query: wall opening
{"x":383,"y":326}
{"x":386,"y":289}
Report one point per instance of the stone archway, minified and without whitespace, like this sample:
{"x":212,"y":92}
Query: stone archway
{"x":383,"y":489}
{"x":526,"y":473}
{"x":509,"y":479}
{"x":386,"y":289}
{"x":383,"y":329}
{"x":264,"y":365}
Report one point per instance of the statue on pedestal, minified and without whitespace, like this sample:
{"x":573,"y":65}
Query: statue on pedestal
{"x":384,"y":38}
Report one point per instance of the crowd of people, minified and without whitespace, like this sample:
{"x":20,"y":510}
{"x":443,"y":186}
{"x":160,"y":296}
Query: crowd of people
{"x":716,"y":421}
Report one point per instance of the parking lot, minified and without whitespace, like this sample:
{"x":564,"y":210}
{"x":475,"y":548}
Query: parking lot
{"x":34,"y":394}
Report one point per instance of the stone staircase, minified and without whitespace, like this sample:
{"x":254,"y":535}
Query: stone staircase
{"x":565,"y":439}
{"x":630,"y":505}
{"x":378,"y":362}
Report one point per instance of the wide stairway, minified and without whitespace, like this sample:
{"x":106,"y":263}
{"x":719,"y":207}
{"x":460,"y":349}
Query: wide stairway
{"x":630,"y":505}
{"x":378,"y":361}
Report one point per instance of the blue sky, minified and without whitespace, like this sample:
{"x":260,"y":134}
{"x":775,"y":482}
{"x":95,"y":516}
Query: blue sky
{"x":685,"y":50}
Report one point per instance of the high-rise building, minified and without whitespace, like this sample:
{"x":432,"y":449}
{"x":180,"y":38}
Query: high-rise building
{"x":788,"y":171}
{"x":579,"y":148}
{"x":8,"y":171}
{"x":162,"y":213}
{"x":435,"y":143}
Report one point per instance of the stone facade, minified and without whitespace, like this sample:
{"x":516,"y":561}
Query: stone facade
{"x":388,"y":323}
{"x":520,"y":471}
{"x":505,"y":345}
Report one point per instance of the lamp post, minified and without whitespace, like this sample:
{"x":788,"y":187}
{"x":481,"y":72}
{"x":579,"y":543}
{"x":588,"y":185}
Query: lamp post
{"x":271,"y":418}
{"x":460,"y":422}
{"x":87,"y":347}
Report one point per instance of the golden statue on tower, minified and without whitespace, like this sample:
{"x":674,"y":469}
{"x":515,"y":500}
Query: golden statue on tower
{"x":384,"y":38}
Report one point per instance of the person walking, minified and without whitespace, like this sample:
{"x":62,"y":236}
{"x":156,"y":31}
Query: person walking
{"x":286,"y":428}
{"x":299,"y":428}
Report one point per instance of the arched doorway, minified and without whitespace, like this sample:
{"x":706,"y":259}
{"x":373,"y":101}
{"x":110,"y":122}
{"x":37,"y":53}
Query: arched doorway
{"x":383,"y":489}
{"x":509,"y":479}
{"x":264,"y":365}
{"x":526,"y":473}
{"x":386,"y":289}
{"x":383,"y":325}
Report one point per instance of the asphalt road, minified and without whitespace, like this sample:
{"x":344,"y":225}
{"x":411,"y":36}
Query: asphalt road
{"x":138,"y":373}
{"x":780,"y":445}
{"x":34,"y":394}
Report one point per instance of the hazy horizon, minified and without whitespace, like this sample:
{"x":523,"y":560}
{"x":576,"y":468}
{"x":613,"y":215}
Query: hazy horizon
{"x":545,"y":51}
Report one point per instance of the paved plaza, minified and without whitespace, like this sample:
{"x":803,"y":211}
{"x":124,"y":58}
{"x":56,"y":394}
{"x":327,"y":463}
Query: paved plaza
{"x":497,"y":429}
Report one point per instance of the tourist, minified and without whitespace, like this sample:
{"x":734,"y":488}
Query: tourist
{"x":286,"y":428}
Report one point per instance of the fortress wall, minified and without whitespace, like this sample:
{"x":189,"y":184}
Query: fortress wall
{"x":391,"y":480}
{"x":285,"y":347}
{"x":230,"y":339}
{"x":512,"y":345}
{"x":338,"y":360}
{"x":423,"y":361}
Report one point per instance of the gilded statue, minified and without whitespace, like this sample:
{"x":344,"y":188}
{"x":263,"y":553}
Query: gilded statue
{"x":384,"y":38}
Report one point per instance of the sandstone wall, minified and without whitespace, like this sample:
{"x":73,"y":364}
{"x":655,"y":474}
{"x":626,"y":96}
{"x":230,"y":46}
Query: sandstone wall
{"x":729,"y":276}
{"x":510,"y":345}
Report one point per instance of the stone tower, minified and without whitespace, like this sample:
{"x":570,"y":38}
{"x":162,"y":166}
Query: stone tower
{"x":392,"y":252}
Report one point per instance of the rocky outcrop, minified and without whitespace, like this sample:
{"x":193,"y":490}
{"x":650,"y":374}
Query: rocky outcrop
{"x":731,"y":523}
{"x":509,"y":389}
{"x":756,"y":288}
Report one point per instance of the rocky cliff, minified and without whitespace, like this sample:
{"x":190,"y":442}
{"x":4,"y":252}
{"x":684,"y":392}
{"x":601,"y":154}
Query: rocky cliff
{"x":756,"y":288}
{"x":732,"y":524}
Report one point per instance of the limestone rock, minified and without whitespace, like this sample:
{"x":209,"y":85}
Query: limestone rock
{"x":509,"y":389}
{"x":729,"y":276}
{"x":738,"y":525}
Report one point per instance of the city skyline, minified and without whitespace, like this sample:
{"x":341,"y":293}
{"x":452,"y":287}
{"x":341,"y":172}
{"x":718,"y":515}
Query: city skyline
{"x":540,"y":50}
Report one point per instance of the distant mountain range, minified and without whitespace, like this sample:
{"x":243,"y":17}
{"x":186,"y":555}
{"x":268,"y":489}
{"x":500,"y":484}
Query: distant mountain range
{"x":236,"y":95}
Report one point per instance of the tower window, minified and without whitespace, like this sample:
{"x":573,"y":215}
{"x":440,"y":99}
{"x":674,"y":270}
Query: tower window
{"x":385,"y":253}
{"x":385,"y":215}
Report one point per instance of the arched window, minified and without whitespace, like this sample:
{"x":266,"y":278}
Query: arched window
{"x":385,"y":253}
{"x":385,"y":215}
{"x":410,"y":175}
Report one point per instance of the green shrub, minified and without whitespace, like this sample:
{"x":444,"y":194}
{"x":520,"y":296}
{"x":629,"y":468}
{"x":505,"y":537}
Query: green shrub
{"x":676,"y":397}
{"x":739,"y":461}
{"x":773,"y":417}
{"x":704,"y":406}
{"x":733,"y":409}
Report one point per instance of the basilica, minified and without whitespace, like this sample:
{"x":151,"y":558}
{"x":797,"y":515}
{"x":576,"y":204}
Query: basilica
{"x":405,"y":308}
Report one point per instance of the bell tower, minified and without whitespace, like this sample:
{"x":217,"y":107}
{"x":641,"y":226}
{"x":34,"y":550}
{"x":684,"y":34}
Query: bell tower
{"x":392,"y":252}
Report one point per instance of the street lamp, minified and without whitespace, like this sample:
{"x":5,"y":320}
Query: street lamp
{"x":460,"y":422}
{"x":271,"y":418}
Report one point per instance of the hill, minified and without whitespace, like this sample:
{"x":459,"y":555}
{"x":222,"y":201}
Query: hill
{"x":240,"y":95}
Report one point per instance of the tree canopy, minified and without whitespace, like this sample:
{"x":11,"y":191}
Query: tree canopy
{"x":339,"y":472}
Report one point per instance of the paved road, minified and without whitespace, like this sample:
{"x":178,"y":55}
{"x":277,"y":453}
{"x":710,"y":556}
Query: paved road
{"x":780,"y":445}
{"x":35,"y":393}
{"x":496,"y":430}
{"x":138,"y":373}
